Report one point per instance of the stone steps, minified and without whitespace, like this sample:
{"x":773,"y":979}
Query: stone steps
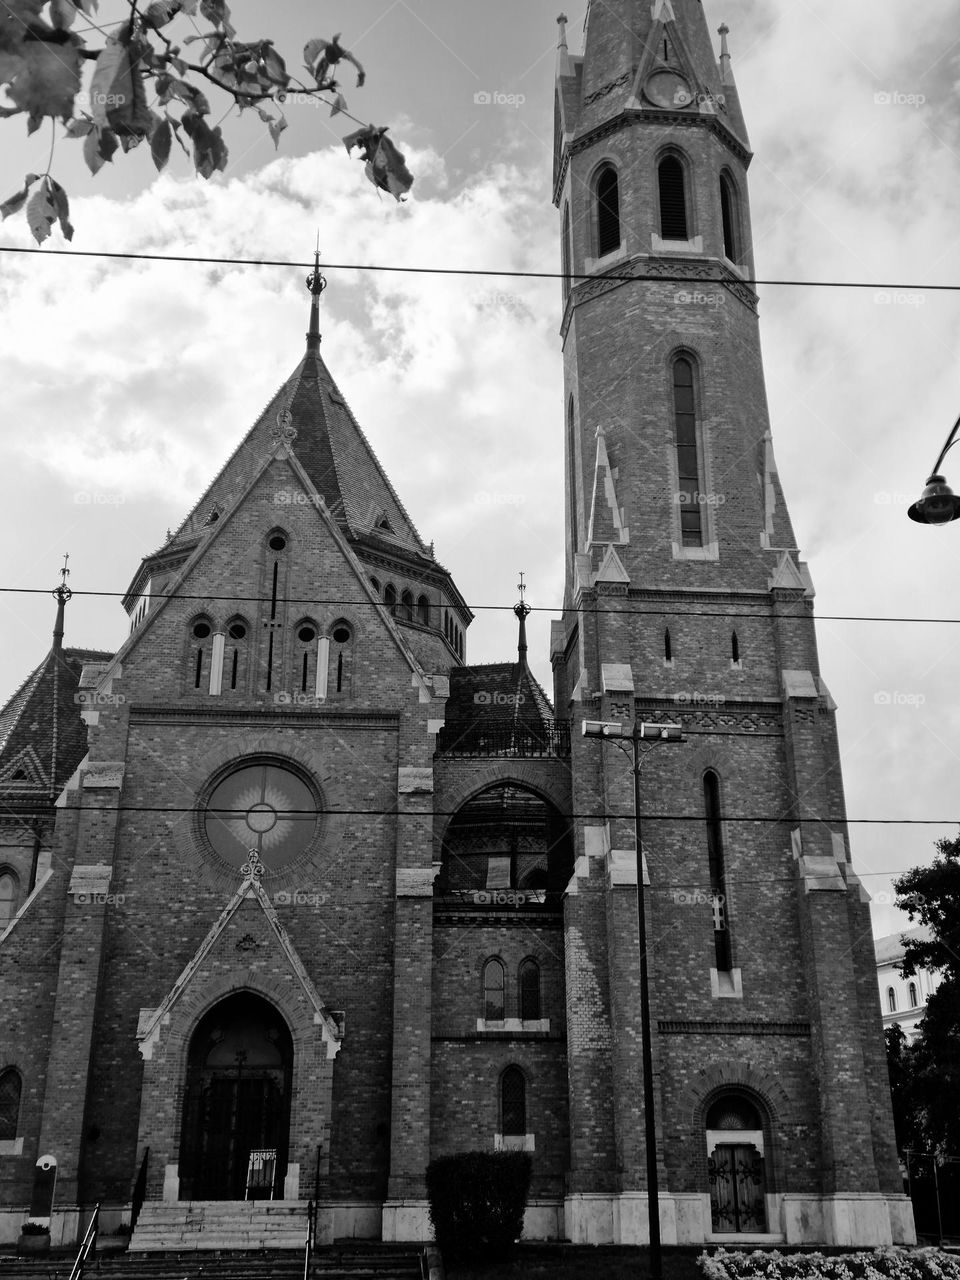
{"x":220,"y":1225}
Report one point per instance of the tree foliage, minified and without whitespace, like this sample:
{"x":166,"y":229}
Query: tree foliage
{"x":926,"y":1075}
{"x":151,"y":80}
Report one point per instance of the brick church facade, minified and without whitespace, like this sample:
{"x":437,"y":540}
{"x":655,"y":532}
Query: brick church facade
{"x":296,"y":900}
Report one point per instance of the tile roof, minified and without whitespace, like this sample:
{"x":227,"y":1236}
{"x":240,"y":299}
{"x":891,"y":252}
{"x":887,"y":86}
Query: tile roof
{"x":891,"y":947}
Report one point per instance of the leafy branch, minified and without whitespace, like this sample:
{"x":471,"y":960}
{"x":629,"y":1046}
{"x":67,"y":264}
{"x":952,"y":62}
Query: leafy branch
{"x":140,"y":68}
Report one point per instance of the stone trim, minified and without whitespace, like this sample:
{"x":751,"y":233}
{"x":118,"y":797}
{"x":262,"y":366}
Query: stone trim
{"x":744,"y":1028}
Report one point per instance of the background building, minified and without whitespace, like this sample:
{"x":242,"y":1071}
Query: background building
{"x":903,"y":1000}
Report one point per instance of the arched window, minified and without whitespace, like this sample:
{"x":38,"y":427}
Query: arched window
{"x":728,"y":214}
{"x":201,"y":648}
{"x":667,"y":647}
{"x":10,"y":1089}
{"x":718,"y":885}
{"x":494,"y":985}
{"x":275,"y":572}
{"x":529,"y":984}
{"x":513,"y":1103}
{"x":735,"y":649}
{"x":306,"y":637}
{"x":9,"y":895}
{"x":572,"y":476}
{"x":390,"y":597}
{"x":688,"y":463}
{"x":913,"y":995}
{"x":236,"y":645}
{"x":891,"y":1000}
{"x":565,"y":254}
{"x":423,"y":611}
{"x":406,"y":606}
{"x":375,"y":583}
{"x":673,"y":200}
{"x":341,"y":656}
{"x":608,"y":211}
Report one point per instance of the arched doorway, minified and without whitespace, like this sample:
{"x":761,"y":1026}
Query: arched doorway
{"x":236,"y":1110}
{"x":735,"y":1164}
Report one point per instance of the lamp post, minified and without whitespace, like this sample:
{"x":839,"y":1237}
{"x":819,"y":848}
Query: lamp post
{"x":628,"y":739}
{"x":938,"y":504}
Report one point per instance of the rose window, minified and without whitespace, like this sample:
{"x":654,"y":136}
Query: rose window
{"x":264,"y":807}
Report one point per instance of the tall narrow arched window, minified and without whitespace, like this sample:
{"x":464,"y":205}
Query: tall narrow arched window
{"x":673,"y":200}
{"x":566,"y":254}
{"x":572,"y":476}
{"x":688,"y":462}
{"x":891,"y":1000}
{"x":10,"y":1089}
{"x":667,"y":646}
{"x":529,"y":984}
{"x":236,"y":645}
{"x":406,"y":606}
{"x":375,"y":583}
{"x":494,"y":986}
{"x":608,"y":211}
{"x":306,"y":647}
{"x":390,"y":597}
{"x":728,"y":216}
{"x":513,"y":1103}
{"x":913,"y":995}
{"x":341,"y":656}
{"x":423,"y":611}
{"x":276,"y":566}
{"x":9,"y":896}
{"x":201,"y":648}
{"x":718,"y":877}
{"x":735,"y":649}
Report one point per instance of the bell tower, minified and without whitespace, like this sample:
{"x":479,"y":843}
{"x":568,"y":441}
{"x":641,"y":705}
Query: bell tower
{"x":686,"y":602}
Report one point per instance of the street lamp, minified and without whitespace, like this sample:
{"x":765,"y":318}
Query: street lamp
{"x":628,"y":738}
{"x":938,"y":504}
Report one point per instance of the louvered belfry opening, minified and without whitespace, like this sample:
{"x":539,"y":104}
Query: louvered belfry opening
{"x":673,"y":200}
{"x":608,"y":212}
{"x":728,"y":217}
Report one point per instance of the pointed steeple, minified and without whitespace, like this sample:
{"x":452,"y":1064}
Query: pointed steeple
{"x":564,"y":63}
{"x":316,"y":283}
{"x":522,"y":610}
{"x":61,"y":594}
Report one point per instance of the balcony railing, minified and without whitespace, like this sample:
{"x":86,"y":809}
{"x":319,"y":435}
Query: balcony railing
{"x":474,"y":738}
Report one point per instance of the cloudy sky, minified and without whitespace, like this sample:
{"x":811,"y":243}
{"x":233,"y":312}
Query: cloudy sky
{"x":126,"y":385}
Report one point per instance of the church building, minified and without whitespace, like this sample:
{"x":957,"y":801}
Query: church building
{"x":294,"y":899}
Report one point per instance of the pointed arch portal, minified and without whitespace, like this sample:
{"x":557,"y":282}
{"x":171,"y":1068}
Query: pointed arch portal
{"x":236,"y":1107}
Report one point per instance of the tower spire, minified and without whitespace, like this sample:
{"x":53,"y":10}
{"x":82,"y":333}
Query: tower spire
{"x":522,"y":610}
{"x":61,"y":594}
{"x":316,"y":283}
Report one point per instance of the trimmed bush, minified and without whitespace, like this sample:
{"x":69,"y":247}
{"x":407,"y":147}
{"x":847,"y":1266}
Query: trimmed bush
{"x":477,"y":1201}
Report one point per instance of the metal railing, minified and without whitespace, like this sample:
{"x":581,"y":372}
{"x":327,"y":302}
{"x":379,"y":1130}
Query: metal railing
{"x":139,"y":1191}
{"x":89,"y":1247}
{"x":308,"y":1246}
{"x":474,"y":738}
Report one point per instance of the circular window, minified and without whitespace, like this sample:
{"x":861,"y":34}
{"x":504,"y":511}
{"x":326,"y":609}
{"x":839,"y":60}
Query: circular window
{"x":237,"y":631}
{"x":278,"y":542}
{"x":341,"y":633}
{"x":265,"y":807}
{"x":201,"y":630}
{"x":306,"y":634}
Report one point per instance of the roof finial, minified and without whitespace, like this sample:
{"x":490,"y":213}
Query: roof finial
{"x":61,"y":594}
{"x":316,"y":283}
{"x":522,"y":610}
{"x":562,"y":21}
{"x":725,"y":73}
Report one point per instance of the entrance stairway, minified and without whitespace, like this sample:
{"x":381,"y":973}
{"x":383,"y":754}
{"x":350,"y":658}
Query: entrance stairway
{"x":353,"y":1260}
{"x":220,"y":1224}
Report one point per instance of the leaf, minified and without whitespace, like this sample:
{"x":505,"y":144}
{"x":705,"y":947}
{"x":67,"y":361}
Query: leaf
{"x":62,"y":206}
{"x":277,"y":127}
{"x":16,"y":202}
{"x":160,"y":13}
{"x":117,"y":95}
{"x":63,"y":14}
{"x":209,"y":148}
{"x":80,"y":127}
{"x":160,"y":143}
{"x":48,"y":79}
{"x":41,"y":212}
{"x":169,"y":87}
{"x":273,"y":66}
{"x":99,"y":147}
{"x":218,"y":12}
{"x":339,"y":104}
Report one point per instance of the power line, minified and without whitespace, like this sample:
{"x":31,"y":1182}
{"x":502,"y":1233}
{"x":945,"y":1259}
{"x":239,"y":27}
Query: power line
{"x":476,"y":271}
{"x":478,"y":608}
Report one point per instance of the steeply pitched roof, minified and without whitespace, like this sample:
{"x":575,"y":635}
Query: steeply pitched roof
{"x":42,"y":736}
{"x":332,"y":449}
{"x":498,"y":693}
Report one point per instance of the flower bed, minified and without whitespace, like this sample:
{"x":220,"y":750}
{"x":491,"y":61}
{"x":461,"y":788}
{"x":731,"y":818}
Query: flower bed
{"x":880,"y":1264}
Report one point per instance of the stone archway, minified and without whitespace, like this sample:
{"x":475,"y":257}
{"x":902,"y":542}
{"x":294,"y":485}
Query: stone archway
{"x":236,"y":1106}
